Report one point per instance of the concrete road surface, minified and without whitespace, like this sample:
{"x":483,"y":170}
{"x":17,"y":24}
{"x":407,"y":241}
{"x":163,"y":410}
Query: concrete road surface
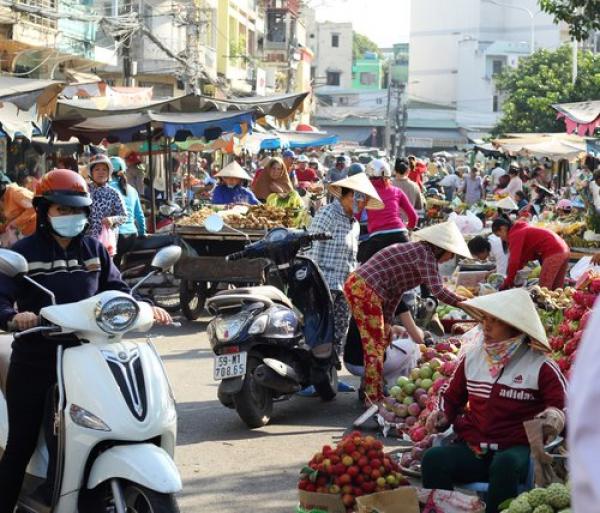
{"x":225,"y":467}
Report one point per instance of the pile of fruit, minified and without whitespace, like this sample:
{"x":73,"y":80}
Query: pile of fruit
{"x":258,"y":217}
{"x":552,"y":299}
{"x":356,"y":466}
{"x":553,"y":499}
{"x":414,"y":397}
{"x":196,"y":218}
{"x":566,"y":336}
{"x":261,"y":217}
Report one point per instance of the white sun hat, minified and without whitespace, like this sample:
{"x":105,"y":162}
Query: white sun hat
{"x":514,"y":307}
{"x":360,"y":183}
{"x":446,"y":236}
{"x":507,"y":204}
{"x":233,"y":170}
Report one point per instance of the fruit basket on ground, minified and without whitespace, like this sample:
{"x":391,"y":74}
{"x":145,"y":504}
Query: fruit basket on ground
{"x":356,"y":466}
{"x":405,"y":411}
{"x":553,"y":499}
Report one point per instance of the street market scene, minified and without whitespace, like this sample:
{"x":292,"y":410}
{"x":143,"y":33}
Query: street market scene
{"x":300,"y":256}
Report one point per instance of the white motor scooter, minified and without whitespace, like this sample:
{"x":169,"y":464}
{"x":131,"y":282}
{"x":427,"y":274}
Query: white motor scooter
{"x":115,"y":418}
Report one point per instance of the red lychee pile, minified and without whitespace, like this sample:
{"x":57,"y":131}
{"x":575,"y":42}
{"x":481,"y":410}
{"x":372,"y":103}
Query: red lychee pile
{"x":566,"y":338}
{"x":356,"y":466}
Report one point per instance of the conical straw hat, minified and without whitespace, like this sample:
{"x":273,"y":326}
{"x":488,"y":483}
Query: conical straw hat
{"x":514,"y":307}
{"x":507,"y":204}
{"x":446,"y":236}
{"x":233,"y":170}
{"x":360,"y":183}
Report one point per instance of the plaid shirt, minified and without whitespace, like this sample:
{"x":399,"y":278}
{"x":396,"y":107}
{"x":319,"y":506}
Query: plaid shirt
{"x":400,"y":268}
{"x":336,"y":257}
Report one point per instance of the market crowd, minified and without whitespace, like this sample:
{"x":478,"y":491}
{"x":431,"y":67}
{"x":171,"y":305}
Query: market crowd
{"x":393,"y":230}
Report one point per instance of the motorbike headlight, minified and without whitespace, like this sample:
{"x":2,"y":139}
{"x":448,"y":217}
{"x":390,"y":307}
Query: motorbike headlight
{"x":283,"y":323}
{"x":85,"y":419}
{"x":117,"y":315}
{"x":259,"y":325}
{"x":227,"y":328}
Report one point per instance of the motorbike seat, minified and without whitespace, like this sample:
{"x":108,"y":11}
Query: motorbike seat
{"x":154,"y":242}
{"x":5,"y":353}
{"x":268,"y":291}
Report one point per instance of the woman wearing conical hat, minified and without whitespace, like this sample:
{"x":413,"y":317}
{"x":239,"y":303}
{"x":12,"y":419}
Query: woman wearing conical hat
{"x":506,"y":378}
{"x":375,"y":289}
{"x":337,"y":257}
{"x":231,"y":191}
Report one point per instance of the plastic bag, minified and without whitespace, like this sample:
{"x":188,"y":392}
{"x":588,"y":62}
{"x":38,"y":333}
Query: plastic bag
{"x":108,"y":238}
{"x":402,"y":355}
{"x":468,"y":224}
{"x":446,"y":501}
{"x":583,"y":264}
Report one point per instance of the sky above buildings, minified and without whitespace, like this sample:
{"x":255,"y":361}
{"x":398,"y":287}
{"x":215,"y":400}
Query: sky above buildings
{"x":384,"y":21}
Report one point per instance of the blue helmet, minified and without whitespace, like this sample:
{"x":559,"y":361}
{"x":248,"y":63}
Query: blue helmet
{"x":355,"y":169}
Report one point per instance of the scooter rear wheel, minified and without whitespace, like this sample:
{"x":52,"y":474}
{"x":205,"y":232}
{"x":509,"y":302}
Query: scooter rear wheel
{"x":253,"y":403}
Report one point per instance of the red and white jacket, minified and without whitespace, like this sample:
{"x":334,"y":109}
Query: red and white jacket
{"x":490,"y":412}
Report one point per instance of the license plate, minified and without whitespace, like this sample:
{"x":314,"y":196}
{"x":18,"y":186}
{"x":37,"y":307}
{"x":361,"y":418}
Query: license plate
{"x":230,"y":366}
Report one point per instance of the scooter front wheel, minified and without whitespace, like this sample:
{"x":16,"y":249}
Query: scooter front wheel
{"x":139,"y":499}
{"x":253,"y":403}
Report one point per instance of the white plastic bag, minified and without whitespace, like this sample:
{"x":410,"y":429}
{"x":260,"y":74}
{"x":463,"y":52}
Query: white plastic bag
{"x":583,"y":264}
{"x":468,"y":224}
{"x":401,"y":356}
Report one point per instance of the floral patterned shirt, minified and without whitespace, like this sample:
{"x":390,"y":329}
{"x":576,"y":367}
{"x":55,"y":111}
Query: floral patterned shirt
{"x":106,"y":203}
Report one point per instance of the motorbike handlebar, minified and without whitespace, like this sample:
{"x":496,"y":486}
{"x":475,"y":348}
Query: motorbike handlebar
{"x":234,"y":256}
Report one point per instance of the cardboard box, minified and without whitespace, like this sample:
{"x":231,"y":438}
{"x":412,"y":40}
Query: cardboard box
{"x":400,"y":500}
{"x":326,"y":502}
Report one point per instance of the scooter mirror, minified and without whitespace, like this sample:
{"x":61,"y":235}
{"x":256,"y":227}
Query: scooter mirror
{"x":214,"y":223}
{"x":166,"y":258}
{"x":11,"y":263}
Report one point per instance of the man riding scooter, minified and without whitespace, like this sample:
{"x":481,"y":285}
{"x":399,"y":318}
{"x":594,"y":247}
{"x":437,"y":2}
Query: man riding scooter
{"x":71,"y":266}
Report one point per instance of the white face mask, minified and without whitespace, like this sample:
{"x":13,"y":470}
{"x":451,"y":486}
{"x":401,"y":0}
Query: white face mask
{"x":69,"y":226}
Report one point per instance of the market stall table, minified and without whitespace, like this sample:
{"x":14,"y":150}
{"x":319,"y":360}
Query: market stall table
{"x":208,"y":271}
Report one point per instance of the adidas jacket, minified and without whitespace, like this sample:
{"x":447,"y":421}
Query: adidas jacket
{"x":489,"y":411}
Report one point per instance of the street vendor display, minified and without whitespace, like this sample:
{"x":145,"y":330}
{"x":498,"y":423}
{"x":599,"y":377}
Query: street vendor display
{"x":527,"y":243}
{"x":375,"y":289}
{"x":506,"y":378}
{"x":231,"y":191}
{"x":355,"y":467}
{"x":556,"y":498}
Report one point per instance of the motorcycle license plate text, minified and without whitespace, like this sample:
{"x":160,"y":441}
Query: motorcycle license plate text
{"x":230,"y":366}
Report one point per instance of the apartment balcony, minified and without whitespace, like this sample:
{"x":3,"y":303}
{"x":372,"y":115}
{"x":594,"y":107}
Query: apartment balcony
{"x":292,"y":6}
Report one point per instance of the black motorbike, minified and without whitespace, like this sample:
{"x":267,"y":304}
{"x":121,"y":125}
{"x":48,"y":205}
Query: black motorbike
{"x":273,"y":340}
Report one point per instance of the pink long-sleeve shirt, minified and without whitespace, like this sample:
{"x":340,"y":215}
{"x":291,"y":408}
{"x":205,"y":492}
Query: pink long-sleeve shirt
{"x":390,"y":218}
